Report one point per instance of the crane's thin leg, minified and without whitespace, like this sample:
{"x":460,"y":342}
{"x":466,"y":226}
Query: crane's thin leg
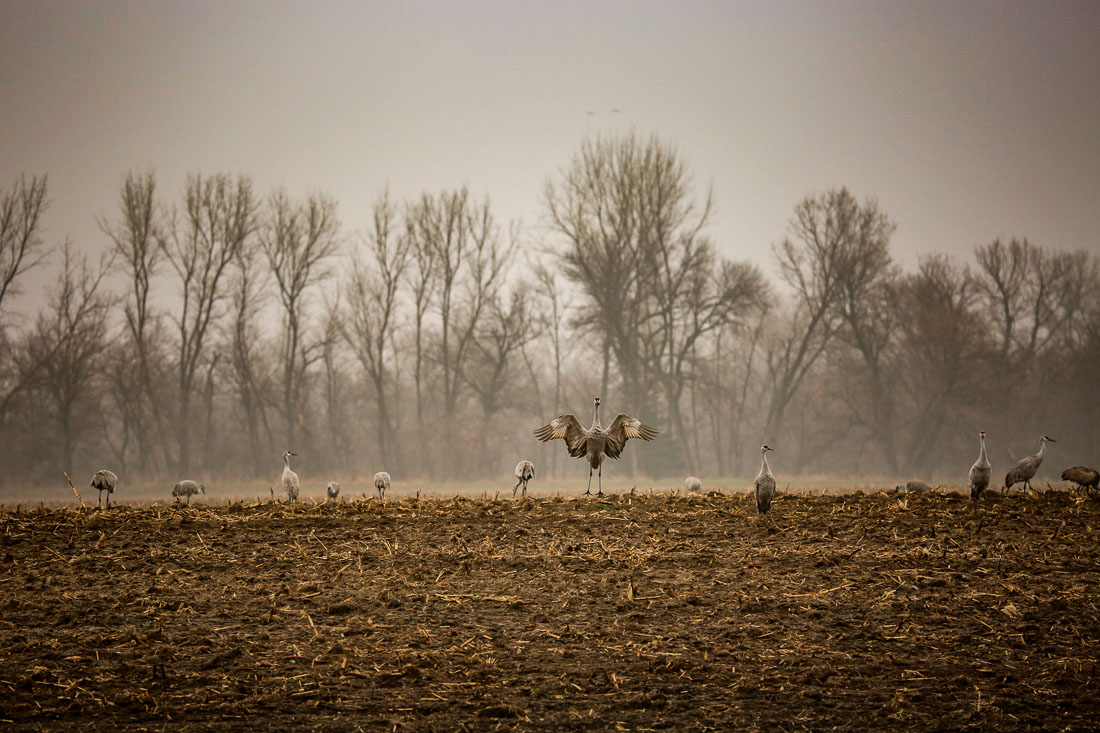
{"x":188,"y":500}
{"x":516,"y":488}
{"x":601,"y":481}
{"x":588,"y":491}
{"x":108,"y":499}
{"x":99,"y":504}
{"x":524,"y":489}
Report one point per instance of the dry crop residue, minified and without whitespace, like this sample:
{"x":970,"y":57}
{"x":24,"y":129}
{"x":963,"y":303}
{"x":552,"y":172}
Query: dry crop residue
{"x":644,"y":612}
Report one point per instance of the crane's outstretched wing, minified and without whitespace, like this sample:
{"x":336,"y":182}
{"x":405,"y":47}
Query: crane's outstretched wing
{"x":624,"y":427}
{"x":568,"y":428}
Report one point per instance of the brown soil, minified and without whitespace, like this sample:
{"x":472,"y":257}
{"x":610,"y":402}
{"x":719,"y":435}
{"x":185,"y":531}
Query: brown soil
{"x":640,"y":613}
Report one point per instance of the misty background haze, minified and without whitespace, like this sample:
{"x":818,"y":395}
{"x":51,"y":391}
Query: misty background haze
{"x":401,"y":236}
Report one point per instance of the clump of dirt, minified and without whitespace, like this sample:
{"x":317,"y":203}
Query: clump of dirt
{"x":656,"y":612}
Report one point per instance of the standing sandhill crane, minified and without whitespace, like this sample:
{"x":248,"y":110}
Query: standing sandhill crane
{"x":333,"y":489}
{"x":595,"y":443}
{"x":1024,"y":470}
{"x":765,"y":482}
{"x":1083,"y":476}
{"x":914,"y":487}
{"x":381,"y":482}
{"x":188,"y":488}
{"x":691,"y":483}
{"x":981,"y":472}
{"x":105,"y":480}
{"x":525,"y":471}
{"x":290,"y":479}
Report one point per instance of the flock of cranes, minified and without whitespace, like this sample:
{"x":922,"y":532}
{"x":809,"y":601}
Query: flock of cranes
{"x":597,"y":443}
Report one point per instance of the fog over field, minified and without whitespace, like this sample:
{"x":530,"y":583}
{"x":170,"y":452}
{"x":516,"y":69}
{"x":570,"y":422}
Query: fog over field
{"x":403,"y":236}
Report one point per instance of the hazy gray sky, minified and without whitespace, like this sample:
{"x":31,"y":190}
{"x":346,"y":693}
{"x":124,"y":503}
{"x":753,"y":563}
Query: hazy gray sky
{"x":967,"y":120}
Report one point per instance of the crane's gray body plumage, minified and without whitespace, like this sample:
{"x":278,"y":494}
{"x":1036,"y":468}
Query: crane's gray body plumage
{"x":692,"y":483}
{"x":595,"y":443}
{"x":1025,"y":469}
{"x":332,"y":490}
{"x":188,"y":488}
{"x":764,"y":486}
{"x":1083,"y":476}
{"x":105,"y":480}
{"x":382,"y":483}
{"x":290,"y":479}
{"x":981,"y":473}
{"x":914,"y":487}
{"x":525,"y":471}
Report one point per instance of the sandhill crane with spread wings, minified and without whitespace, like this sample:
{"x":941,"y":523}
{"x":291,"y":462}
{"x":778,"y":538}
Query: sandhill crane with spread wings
{"x":595,"y":443}
{"x":1025,"y":469}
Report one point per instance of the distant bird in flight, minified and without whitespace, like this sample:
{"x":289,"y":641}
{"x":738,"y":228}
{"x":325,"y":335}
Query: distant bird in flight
{"x":595,"y":443}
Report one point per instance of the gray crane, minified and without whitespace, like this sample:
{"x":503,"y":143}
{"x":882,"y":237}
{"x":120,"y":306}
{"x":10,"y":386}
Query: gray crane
{"x":290,"y":479}
{"x":1083,"y":476}
{"x":1025,"y":469}
{"x":691,"y":483}
{"x":764,"y":487}
{"x":595,"y":443}
{"x":981,"y":473}
{"x":105,"y":480}
{"x":382,"y":483}
{"x":332,"y":490}
{"x":525,"y":471}
{"x":914,"y":487}
{"x":188,"y":488}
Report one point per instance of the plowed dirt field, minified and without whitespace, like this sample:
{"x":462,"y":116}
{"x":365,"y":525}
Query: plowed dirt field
{"x":646,"y":612}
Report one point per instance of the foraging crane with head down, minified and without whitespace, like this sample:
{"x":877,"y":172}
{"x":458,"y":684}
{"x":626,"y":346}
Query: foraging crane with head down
{"x":595,"y":443}
{"x":105,"y":480}
{"x":1083,"y":476}
{"x":382,"y":483}
{"x":188,"y":488}
{"x":1025,"y":469}
{"x":332,"y":490}
{"x":525,"y":471}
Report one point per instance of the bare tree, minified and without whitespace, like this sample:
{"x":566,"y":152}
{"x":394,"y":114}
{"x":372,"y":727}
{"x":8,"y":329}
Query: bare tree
{"x":504,"y":333}
{"x":835,"y":252}
{"x":298,"y":239}
{"x":139,"y":238}
{"x":21,"y":245}
{"x":248,"y":369}
{"x":946,"y":352}
{"x":67,"y":348}
{"x":218,"y":218}
{"x":21,"y":248}
{"x":651,"y":280}
{"x":372,"y":312}
{"x":422,"y":281}
{"x":470,"y":256}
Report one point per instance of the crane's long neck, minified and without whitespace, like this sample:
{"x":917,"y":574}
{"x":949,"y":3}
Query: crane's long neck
{"x":1042,"y":448}
{"x":764,"y":467}
{"x":286,"y":460}
{"x":981,"y":456}
{"x":596,"y":415}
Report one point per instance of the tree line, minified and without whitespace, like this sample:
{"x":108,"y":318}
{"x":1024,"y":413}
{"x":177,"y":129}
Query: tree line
{"x":218,"y":329}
